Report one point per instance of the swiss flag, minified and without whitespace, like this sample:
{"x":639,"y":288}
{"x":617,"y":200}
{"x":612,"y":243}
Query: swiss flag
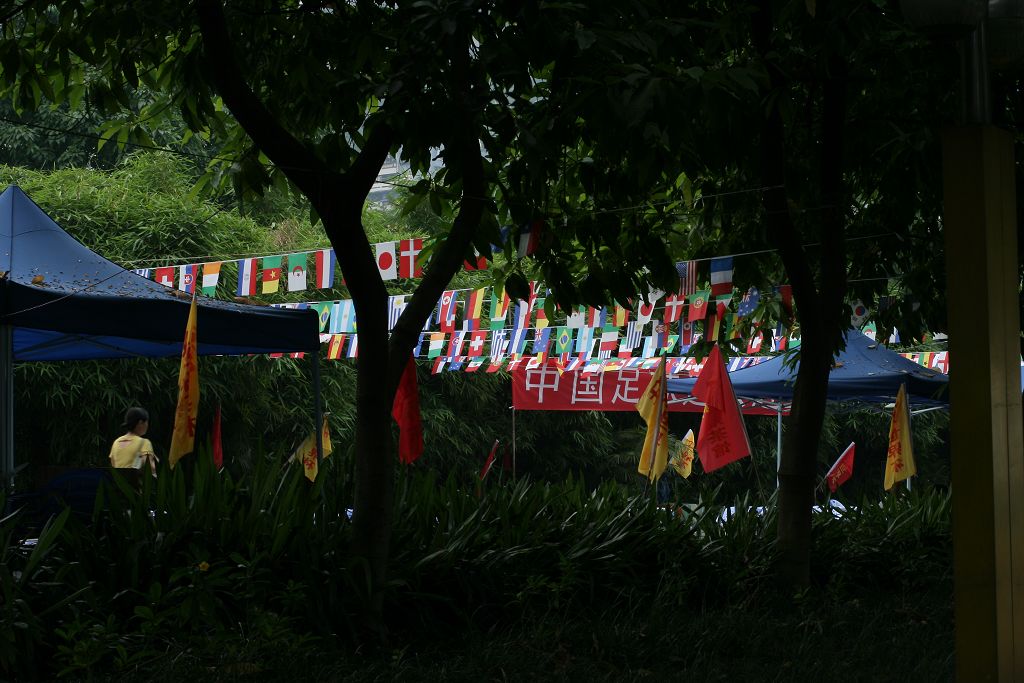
{"x":387,"y":264}
{"x":754,"y":345}
{"x":165,"y":276}
{"x":409,"y":265}
{"x":477,"y":339}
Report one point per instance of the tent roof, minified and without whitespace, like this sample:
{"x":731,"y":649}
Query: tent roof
{"x":865,"y":372}
{"x":65,"y":302}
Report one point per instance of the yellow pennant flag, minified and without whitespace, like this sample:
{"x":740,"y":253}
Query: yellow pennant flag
{"x":682,"y":459}
{"x":184,"y":436}
{"x":899,"y":464}
{"x":653,"y":407}
{"x":306,"y":452}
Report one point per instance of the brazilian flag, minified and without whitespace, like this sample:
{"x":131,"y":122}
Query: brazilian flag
{"x":563,"y":343}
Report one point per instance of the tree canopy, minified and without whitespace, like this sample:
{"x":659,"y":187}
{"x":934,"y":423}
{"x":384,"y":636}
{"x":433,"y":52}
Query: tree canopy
{"x":634,"y":130}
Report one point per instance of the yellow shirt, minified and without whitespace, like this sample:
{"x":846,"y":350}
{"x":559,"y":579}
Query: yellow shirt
{"x":128,"y":450}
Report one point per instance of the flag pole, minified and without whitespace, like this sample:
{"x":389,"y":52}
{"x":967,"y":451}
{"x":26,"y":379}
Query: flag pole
{"x":513,"y":441}
{"x":7,"y":406}
{"x":318,"y":416}
{"x":657,"y":420}
{"x":778,"y":446}
{"x":910,"y":415}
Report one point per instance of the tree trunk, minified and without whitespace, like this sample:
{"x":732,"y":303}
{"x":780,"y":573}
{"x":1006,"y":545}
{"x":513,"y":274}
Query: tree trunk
{"x":820,"y":306}
{"x":374,"y":473}
{"x":799,"y":459}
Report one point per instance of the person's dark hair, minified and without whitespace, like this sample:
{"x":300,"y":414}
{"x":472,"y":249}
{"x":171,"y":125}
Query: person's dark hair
{"x":133,"y":417}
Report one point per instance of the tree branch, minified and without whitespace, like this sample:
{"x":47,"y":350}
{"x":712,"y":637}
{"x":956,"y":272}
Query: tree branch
{"x":781,"y":230}
{"x":452,"y":252}
{"x":296,"y":161}
{"x":445,"y":262}
{"x":833,"y":227}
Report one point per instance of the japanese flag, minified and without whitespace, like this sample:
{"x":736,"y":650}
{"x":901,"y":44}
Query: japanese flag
{"x":387,"y":263}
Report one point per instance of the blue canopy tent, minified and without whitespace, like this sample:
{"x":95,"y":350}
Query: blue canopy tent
{"x":61,"y":301}
{"x":865,"y":372}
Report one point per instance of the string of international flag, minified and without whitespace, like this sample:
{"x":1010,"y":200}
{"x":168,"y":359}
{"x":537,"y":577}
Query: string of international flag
{"x":677,"y":319}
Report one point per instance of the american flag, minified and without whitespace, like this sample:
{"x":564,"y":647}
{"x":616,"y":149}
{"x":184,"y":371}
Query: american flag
{"x":687,"y":277}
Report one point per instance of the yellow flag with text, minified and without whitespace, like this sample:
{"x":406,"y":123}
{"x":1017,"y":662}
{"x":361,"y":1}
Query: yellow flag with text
{"x":184,"y":436}
{"x":682,"y":460}
{"x":899,"y":463}
{"x":653,"y":407}
{"x":306,"y":452}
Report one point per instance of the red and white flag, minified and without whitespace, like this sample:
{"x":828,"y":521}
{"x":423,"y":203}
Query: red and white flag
{"x":409,"y":261}
{"x":477,"y":339}
{"x":387,"y":263}
{"x":674,"y":306}
{"x":165,"y":276}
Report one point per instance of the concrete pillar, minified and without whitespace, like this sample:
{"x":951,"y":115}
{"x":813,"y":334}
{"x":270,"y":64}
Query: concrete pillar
{"x":980,"y":226}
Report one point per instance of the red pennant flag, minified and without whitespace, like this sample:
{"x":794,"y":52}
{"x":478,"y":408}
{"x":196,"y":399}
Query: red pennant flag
{"x":406,"y":411}
{"x":218,"y":449}
{"x":723,"y":436}
{"x":842,"y":470}
{"x":489,"y":463}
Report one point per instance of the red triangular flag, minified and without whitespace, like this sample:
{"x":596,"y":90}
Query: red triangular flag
{"x":489,"y":463}
{"x":218,"y":450}
{"x":723,"y":436}
{"x":406,"y":411}
{"x":842,"y":470}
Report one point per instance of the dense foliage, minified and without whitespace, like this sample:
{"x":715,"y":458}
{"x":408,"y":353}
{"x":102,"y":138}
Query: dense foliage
{"x":252,"y":575}
{"x":141,"y":213}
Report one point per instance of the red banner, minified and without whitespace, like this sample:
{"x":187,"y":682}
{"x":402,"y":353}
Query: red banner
{"x":543,"y":387}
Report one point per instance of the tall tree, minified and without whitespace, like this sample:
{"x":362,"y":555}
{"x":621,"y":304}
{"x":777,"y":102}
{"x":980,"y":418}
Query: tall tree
{"x":315,"y":96}
{"x":802,"y":129}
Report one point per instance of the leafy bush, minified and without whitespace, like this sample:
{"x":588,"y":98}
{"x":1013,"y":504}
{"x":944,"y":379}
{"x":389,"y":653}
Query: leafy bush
{"x":209,"y":570}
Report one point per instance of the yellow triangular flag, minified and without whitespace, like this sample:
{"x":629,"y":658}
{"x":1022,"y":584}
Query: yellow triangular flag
{"x":653,"y":407}
{"x":184,"y":436}
{"x":682,"y":459}
{"x":899,"y":464}
{"x":306,"y":452}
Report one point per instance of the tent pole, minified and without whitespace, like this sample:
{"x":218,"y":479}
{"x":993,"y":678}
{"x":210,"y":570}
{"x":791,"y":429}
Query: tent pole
{"x":318,"y":411}
{"x":778,"y":446}
{"x":7,"y":405}
{"x":910,"y":416}
{"x":513,"y":441}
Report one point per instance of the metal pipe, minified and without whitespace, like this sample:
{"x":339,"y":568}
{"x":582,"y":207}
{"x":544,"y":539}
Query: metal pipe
{"x":7,"y":404}
{"x":513,"y":442}
{"x":778,"y":447}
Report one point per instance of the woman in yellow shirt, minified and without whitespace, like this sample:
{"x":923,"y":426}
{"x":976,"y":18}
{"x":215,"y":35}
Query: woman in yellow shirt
{"x":132,"y":450}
